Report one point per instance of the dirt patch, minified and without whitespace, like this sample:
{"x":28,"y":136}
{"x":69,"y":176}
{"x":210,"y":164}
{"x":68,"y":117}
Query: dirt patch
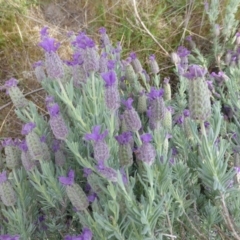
{"x":21,"y":51}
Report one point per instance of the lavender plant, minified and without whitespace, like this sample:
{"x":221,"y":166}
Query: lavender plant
{"x":132,"y":162}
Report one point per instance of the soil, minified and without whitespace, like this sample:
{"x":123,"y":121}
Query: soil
{"x":61,"y":17}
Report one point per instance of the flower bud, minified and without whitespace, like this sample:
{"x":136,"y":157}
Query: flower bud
{"x":125,"y":151}
{"x":17,"y":97}
{"x":146,"y":151}
{"x":12,"y":157}
{"x":167,"y":89}
{"x":167,"y":119}
{"x":39,"y":71}
{"x":142,"y":103}
{"x":137,"y":66}
{"x":130,"y":73}
{"x":101,"y":150}
{"x":77,"y":197}
{"x":107,"y":172}
{"x":7,"y":193}
{"x":57,"y":123}
{"x":153,"y":65}
{"x":132,"y":119}
{"x":33,"y":141}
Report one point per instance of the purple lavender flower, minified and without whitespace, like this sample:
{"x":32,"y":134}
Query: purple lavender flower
{"x":124,"y":138}
{"x":86,"y":234}
{"x":57,"y":123}
{"x":124,"y":176}
{"x":111,"y":64}
{"x":69,"y":180}
{"x":7,"y":193}
{"x":49,"y":100}
{"x":49,"y":44}
{"x":157,"y":104}
{"x":95,"y":135}
{"x":219,"y":77}
{"x":12,"y":82}
{"x":27,"y":128}
{"x":39,"y":71}
{"x":135,"y":63}
{"x":186,"y":113}
{"x":103,"y":63}
{"x":154,"y":93}
{"x":107,"y":172}
{"x":146,"y":151}
{"x":3,"y":177}
{"x":91,"y":197}
{"x":125,"y":141}
{"x":195,"y":71}
{"x":86,"y":46}
{"x":109,"y":78}
{"x":182,"y":52}
{"x":87,"y":171}
{"x":131,"y":117}
{"x":188,"y":38}
{"x":54,"y":110}
{"x":9,"y":237}
{"x":117,"y":52}
{"x":146,"y":138}
{"x":44,"y":32}
{"x":15,"y":93}
{"x":8,"y":142}
{"x":100,"y":148}
{"x":104,"y":40}
{"x":153,"y":64}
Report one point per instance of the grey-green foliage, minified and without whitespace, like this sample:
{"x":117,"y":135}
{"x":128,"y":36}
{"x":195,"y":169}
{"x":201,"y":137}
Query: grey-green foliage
{"x":191,"y":194}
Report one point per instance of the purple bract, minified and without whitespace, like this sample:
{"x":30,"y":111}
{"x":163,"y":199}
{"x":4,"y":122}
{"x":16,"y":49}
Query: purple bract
{"x":195,"y":71}
{"x":182,"y":51}
{"x":95,"y":135}
{"x":54,"y":110}
{"x":27,"y":128}
{"x":3,"y":177}
{"x":12,"y":82}
{"x":146,"y":137}
{"x":69,"y":180}
{"x":49,"y":44}
{"x":109,"y":78}
{"x":154,"y":93}
{"x":128,"y":103}
{"x":124,"y":138}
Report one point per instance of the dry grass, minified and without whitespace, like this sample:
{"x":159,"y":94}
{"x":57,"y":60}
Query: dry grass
{"x":143,"y":26}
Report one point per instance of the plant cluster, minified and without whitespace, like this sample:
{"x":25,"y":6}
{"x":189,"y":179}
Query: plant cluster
{"x":117,"y":156}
